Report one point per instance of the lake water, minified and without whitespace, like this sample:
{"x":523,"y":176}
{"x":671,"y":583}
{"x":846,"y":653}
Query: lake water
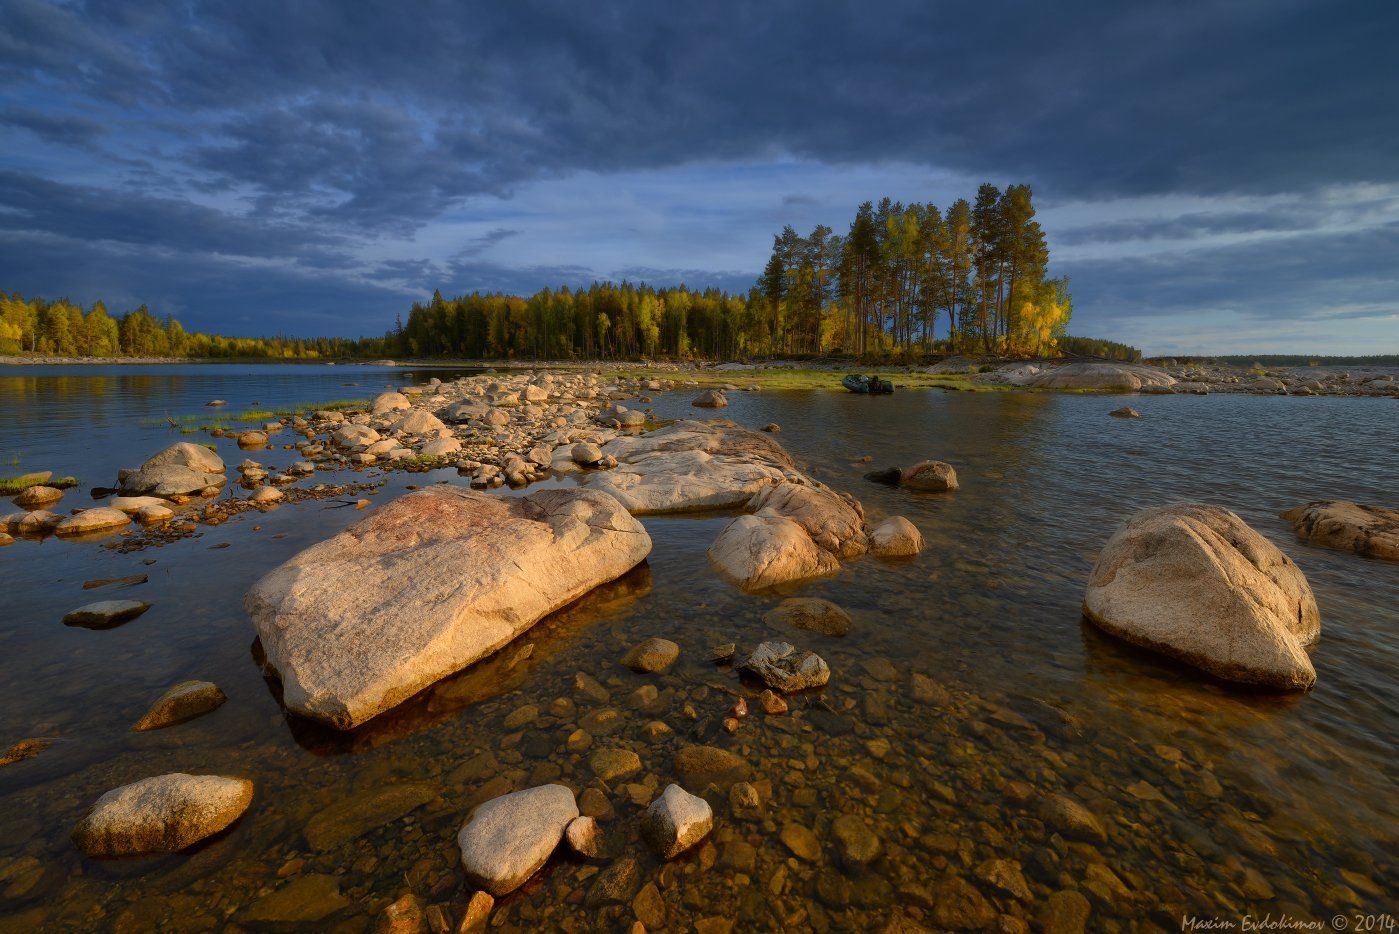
{"x":1217,"y":802}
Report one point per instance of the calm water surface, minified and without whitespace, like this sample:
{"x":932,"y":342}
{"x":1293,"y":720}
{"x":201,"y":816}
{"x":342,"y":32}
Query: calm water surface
{"x":1216,"y":802}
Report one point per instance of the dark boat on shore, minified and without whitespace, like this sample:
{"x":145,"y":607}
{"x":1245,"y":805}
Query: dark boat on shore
{"x":868,"y":385}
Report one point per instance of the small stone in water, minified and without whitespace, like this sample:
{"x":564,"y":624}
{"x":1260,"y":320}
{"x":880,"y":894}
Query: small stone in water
{"x":584,"y":837}
{"x":772,"y":703}
{"x":184,"y":701}
{"x":722,"y":654}
{"x":676,"y":821}
{"x":106,"y":613}
{"x":478,"y":912}
{"x":651,"y":656}
{"x":802,"y":842}
{"x":785,"y":668}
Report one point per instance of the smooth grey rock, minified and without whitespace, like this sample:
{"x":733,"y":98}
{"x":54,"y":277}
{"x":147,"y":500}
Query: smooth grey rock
{"x":163,"y":814}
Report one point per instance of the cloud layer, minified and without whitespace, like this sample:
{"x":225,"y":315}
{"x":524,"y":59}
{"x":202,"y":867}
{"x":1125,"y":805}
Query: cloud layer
{"x":260,"y":166}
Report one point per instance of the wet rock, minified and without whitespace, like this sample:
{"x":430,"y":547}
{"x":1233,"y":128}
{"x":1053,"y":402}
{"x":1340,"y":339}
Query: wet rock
{"x":1125,"y":412}
{"x":1072,"y":819}
{"x":895,"y":537}
{"x":651,"y":655}
{"x":509,"y":838}
{"x":184,"y":701}
{"x":162,"y":814}
{"x":478,"y":913}
{"x":407,"y":915}
{"x":267,"y":495}
{"x":785,"y":668}
{"x":929,"y":477}
{"x":154,"y":515}
{"x":590,"y":687}
{"x":304,"y":900}
{"x":611,"y":764}
{"x":723,"y":653}
{"x":855,"y":842}
{"x":649,"y":907}
{"x":698,"y":766}
{"x":584,"y":837}
{"x":1064,"y":912}
{"x":362,"y":812}
{"x":24,"y":749}
{"x":759,"y":551}
{"x":772,"y":703}
{"x":1196,"y":583}
{"x":889,"y":476}
{"x":801,"y":841}
{"x":616,"y":884}
{"x":428,"y":584}
{"x":38,"y":497}
{"x":100,"y":519}
{"x":772,"y":427}
{"x":132,"y":505}
{"x":927,"y":691}
{"x":252,"y":439}
{"x":958,"y":906}
{"x":6,"y":539}
{"x":710,"y":399}
{"x":106,"y":613}
{"x":1004,"y":876}
{"x":1372,"y":531}
{"x":810,"y":613}
{"x":676,"y":821}
{"x":744,"y":800}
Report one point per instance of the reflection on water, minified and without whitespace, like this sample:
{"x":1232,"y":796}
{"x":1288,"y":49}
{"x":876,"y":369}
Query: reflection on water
{"x":1213,"y":801}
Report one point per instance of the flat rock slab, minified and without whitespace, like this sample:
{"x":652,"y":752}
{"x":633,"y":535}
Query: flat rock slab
{"x":342,"y":822}
{"x":1194,"y":582}
{"x":1372,"y":531}
{"x":106,"y":613}
{"x":692,"y":466}
{"x":427,"y":585}
{"x":304,"y":900}
{"x":810,"y":613}
{"x":509,"y":838}
{"x":163,"y":814}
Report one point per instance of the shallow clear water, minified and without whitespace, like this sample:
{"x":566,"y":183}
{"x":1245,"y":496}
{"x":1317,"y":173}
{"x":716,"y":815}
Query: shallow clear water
{"x":1216,"y":802}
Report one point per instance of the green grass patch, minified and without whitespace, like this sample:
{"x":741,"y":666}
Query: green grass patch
{"x":13,"y":486}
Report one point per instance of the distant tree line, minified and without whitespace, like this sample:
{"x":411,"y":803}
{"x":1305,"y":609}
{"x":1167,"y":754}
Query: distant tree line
{"x":1071,"y":346}
{"x":1273,"y":359}
{"x":62,"y":328}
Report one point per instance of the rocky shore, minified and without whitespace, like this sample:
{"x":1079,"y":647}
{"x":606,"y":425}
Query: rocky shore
{"x":670,"y":760}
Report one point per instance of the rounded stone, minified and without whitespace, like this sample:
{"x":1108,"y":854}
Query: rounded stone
{"x":162,"y":814}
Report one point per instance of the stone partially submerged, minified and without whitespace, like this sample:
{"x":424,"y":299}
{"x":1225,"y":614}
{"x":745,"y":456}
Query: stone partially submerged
{"x":163,"y":814}
{"x":786,"y":668}
{"x":179,"y":470}
{"x":427,"y":585}
{"x":1196,"y":583}
{"x":1372,"y":531}
{"x":760,"y":551}
{"x":509,"y":838}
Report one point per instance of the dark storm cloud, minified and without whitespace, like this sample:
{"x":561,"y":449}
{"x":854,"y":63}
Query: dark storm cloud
{"x":321,"y":128}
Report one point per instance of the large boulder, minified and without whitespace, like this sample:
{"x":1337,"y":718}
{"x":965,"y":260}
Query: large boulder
{"x":97,"y":519}
{"x":759,"y":551}
{"x":710,"y":399}
{"x":427,"y":585}
{"x":692,"y":465}
{"x":163,"y":814}
{"x":835,"y":521}
{"x":179,"y":470}
{"x":354,"y":436}
{"x":507,"y":839}
{"x":387,"y":402}
{"x":1120,"y":377}
{"x":1196,"y":583}
{"x":1372,"y":531}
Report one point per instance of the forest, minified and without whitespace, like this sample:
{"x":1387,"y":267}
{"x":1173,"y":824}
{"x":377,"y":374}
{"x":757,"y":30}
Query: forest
{"x":64,"y":329}
{"x":904,"y":282}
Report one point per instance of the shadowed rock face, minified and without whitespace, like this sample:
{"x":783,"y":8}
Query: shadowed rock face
{"x":429,"y":584}
{"x":1371,"y":531}
{"x":1196,"y":583}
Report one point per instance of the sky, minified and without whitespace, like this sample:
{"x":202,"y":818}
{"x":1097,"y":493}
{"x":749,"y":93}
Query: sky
{"x":1214,"y":177}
